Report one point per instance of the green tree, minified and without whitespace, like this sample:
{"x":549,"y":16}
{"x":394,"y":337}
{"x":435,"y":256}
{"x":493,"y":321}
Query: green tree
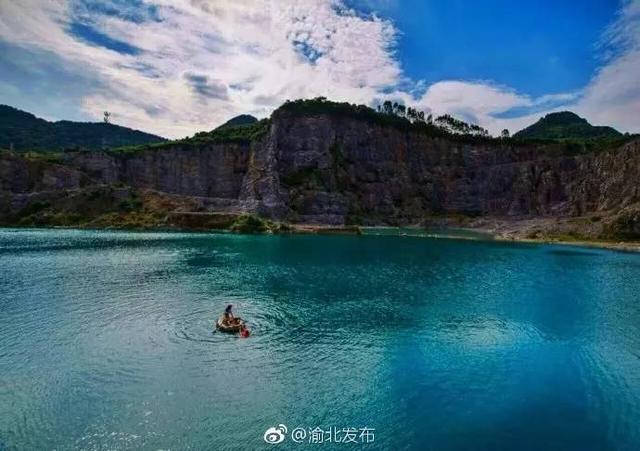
{"x":412,"y":114}
{"x":387,"y":107}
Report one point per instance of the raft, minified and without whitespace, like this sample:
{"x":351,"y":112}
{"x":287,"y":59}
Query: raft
{"x":229,"y":328}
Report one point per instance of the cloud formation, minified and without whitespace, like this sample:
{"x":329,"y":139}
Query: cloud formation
{"x":199,"y":62}
{"x":613,"y":95}
{"x":202,"y":86}
{"x":174,"y":67}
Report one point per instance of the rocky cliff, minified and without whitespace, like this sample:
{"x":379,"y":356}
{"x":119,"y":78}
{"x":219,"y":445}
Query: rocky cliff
{"x":333,"y":169}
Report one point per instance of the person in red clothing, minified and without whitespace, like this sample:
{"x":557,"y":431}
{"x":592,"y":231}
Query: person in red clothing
{"x":244,"y":332}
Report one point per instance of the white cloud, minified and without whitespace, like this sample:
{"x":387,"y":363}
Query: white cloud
{"x":241,"y":57}
{"x":477,"y":99}
{"x":473,"y":101}
{"x":483,"y":102}
{"x":205,"y":61}
{"x":613,"y":95}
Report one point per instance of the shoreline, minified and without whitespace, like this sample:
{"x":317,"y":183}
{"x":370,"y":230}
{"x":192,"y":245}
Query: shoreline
{"x":583,"y":231}
{"x":452,"y":233}
{"x":484,"y":234}
{"x":621,"y":246}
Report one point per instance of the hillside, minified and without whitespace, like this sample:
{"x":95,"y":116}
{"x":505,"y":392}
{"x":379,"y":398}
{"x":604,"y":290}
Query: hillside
{"x":566,"y":125}
{"x":243,"y":119}
{"x":246,"y":128}
{"x":27,"y":132}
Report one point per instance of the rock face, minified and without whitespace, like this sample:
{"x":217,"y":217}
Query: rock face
{"x":328,"y":169}
{"x":20,"y":175}
{"x":215,"y":170}
{"x":24,"y":182}
{"x":331,"y":170}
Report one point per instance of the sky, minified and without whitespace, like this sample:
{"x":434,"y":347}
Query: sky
{"x":176,"y":67}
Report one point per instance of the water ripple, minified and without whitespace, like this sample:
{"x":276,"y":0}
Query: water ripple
{"x":108,"y":341}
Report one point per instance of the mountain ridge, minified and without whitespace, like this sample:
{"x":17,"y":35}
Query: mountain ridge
{"x":22,"y":130}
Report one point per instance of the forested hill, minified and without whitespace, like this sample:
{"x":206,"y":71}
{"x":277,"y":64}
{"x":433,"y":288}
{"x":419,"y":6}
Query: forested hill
{"x":566,"y":125}
{"x":24,"y":131}
{"x":238,"y":121}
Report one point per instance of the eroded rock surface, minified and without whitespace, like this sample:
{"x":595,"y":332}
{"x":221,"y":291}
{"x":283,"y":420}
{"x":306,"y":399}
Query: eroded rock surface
{"x":327,"y":169}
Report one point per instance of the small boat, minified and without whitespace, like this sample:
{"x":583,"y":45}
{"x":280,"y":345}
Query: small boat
{"x":229,"y":328}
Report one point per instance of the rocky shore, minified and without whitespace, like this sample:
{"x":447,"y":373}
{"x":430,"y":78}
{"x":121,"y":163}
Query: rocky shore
{"x":568,"y":231}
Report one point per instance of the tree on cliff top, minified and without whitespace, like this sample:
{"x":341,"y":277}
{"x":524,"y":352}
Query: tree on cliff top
{"x":456,"y":126}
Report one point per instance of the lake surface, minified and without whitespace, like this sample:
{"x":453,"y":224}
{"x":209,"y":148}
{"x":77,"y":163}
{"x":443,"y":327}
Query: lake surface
{"x":107,"y":342}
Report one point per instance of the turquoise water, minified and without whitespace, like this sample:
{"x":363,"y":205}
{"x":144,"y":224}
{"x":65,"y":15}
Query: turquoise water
{"x":107,"y":342}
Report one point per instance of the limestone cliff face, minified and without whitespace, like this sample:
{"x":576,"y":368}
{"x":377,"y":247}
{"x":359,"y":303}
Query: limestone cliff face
{"x":607,"y":181}
{"x":334,"y":170}
{"x":24,"y":181}
{"x":209,"y":171}
{"x":22,"y":175}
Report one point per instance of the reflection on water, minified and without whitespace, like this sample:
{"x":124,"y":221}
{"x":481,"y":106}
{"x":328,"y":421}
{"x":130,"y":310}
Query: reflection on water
{"x":107,"y":341}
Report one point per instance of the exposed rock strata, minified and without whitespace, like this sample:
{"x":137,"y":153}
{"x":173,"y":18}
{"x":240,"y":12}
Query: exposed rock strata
{"x":330,"y":170}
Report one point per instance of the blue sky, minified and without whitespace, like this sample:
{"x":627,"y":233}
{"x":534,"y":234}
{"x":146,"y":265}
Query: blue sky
{"x":175,"y":67}
{"x":535,"y":47}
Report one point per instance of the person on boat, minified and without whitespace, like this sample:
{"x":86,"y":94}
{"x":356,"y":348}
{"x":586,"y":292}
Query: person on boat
{"x":228,"y":314}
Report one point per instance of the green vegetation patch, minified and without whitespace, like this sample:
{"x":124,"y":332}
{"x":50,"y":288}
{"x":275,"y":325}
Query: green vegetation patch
{"x":240,"y":134}
{"x":393,"y":115}
{"x":573,"y":146}
{"x":249,"y":223}
{"x":243,"y":119}
{"x":625,"y":227}
{"x":245,"y":133}
{"x":320,"y":105}
{"x":33,"y":208}
{"x":566,"y":125}
{"x":46,"y":157}
{"x":58,"y":219}
{"x":22,"y":131}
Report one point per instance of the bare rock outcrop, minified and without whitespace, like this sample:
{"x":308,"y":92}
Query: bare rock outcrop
{"x":328,"y":169}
